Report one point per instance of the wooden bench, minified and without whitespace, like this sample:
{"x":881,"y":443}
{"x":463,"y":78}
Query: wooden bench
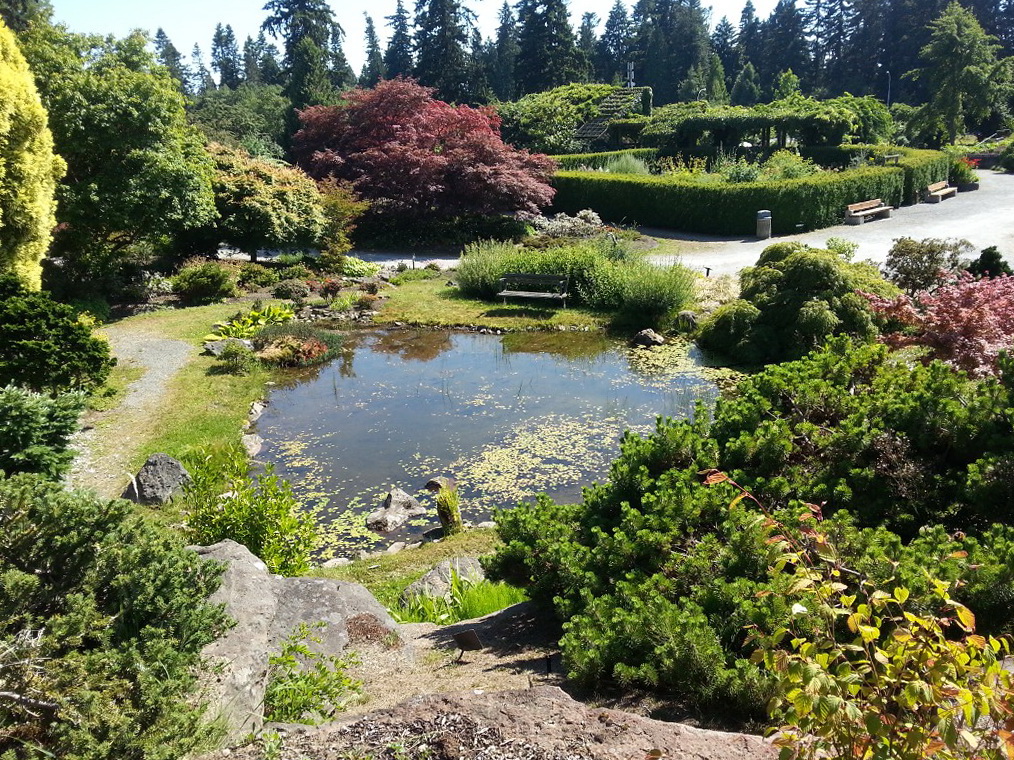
{"x":938,"y":191}
{"x":856,"y":213}
{"x":520,"y":285}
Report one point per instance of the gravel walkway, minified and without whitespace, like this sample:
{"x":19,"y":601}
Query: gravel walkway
{"x":104,"y":444}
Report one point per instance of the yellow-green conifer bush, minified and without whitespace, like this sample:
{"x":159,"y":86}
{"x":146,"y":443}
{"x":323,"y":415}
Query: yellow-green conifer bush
{"x":29,"y":170}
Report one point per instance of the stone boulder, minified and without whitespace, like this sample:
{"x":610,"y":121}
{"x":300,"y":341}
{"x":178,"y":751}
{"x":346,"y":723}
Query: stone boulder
{"x":397,"y":509}
{"x":437,"y":582}
{"x":647,"y":338}
{"x":216,"y":347}
{"x":267,"y":608}
{"x":157,"y":481}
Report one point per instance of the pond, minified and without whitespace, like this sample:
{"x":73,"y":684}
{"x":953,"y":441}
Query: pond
{"x":509,"y":416}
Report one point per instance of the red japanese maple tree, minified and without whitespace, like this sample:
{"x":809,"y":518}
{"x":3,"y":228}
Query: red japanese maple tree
{"x":411,"y":154}
{"x":965,"y":321}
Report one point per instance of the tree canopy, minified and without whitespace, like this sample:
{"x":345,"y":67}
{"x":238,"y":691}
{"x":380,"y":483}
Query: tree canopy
{"x":29,"y":170}
{"x":411,"y":154}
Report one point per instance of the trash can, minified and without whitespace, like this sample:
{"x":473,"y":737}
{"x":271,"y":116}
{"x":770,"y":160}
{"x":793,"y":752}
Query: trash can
{"x":763,"y":224}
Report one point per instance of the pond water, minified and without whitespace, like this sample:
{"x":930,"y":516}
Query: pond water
{"x":509,"y":416}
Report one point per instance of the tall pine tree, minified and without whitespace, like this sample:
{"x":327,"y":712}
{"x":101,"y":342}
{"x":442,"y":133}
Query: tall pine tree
{"x":547,"y":55}
{"x":504,"y":56}
{"x":586,"y":47}
{"x":225,"y":57}
{"x":785,"y":45}
{"x":398,"y":60}
{"x":442,"y":36}
{"x":613,"y":49}
{"x":723,"y":43}
{"x":373,"y":69}
{"x":167,"y":54}
{"x":199,"y":78}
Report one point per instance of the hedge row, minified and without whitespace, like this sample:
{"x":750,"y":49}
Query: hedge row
{"x":725,"y":209}
{"x":921,"y":167}
{"x":599,"y":160}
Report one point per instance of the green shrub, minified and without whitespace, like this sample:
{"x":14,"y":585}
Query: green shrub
{"x":260,"y":512}
{"x":626,"y":164}
{"x":679,"y":202}
{"x":295,"y":290}
{"x":658,"y":579}
{"x":44,"y":346}
{"x":237,"y":359}
{"x":921,"y":167}
{"x":254,"y":276}
{"x":204,"y":283}
{"x":990,"y":263}
{"x":355,"y":267}
{"x":545,"y":122}
{"x":916,"y":265}
{"x":467,"y":600}
{"x":103,"y":616}
{"x":95,"y":306}
{"x":35,"y":430}
{"x":295,"y":272}
{"x":298,"y":344}
{"x":1006,"y":160}
{"x":248,"y":324}
{"x":413,"y":275}
{"x":793,"y":300}
{"x":305,"y":686}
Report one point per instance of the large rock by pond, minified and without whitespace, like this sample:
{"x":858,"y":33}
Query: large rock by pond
{"x":398,"y":507}
{"x":267,"y":608}
{"x":437,"y":582}
{"x":541,"y":723}
{"x":157,"y":481}
{"x":647,"y":338}
{"x":216,"y":347}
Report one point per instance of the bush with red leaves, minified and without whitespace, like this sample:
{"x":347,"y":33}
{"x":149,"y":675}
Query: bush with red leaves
{"x":415,"y":156}
{"x":965,"y":321}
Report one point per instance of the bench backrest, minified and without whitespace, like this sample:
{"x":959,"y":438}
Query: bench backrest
{"x":937,"y":186}
{"x":543,"y":282}
{"x":865,"y":205}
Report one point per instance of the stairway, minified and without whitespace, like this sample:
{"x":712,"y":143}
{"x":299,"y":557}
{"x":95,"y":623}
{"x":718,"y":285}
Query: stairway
{"x":615,"y":106}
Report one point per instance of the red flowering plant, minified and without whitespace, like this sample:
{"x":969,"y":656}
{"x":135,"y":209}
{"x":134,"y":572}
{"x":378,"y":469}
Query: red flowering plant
{"x":965,"y":321}
{"x":963,"y":171}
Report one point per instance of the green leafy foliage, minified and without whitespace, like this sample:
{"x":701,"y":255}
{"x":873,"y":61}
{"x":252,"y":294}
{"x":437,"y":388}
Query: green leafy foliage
{"x":656,"y":578}
{"x":603,"y":275}
{"x":990,"y":263}
{"x":236,"y":359}
{"x":356,"y":267}
{"x":545,"y":122}
{"x":253,"y":276}
{"x":298,"y":344}
{"x":29,"y":168}
{"x":868,"y":674}
{"x":102,"y":620}
{"x":261,"y":512}
{"x":449,"y":510}
{"x":790,"y":302}
{"x":248,"y":324}
{"x":305,"y":686}
{"x":43,"y":344}
{"x":35,"y":429}
{"x":207,"y":282}
{"x":466,"y":600}
{"x":919,"y":265}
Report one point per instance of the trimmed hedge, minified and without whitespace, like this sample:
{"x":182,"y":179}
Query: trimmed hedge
{"x":921,"y":167}
{"x":724,"y":209}
{"x":599,"y":160}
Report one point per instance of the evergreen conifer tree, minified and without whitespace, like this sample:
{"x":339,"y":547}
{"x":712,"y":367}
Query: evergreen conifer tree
{"x":251,"y":61}
{"x":225,"y":57}
{"x":613,"y":49}
{"x":746,"y":90}
{"x":586,"y":47}
{"x":504,"y":56}
{"x":723,"y":43}
{"x":171,"y":58}
{"x":339,"y":71}
{"x":373,"y":69}
{"x":200,"y":80}
{"x":441,"y":37}
{"x":398,"y":56}
{"x":547,"y":55}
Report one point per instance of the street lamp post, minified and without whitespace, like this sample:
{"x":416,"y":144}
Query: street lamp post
{"x":881,"y":66}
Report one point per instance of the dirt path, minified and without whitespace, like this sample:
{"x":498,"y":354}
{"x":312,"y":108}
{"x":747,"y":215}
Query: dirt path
{"x":106,"y":442}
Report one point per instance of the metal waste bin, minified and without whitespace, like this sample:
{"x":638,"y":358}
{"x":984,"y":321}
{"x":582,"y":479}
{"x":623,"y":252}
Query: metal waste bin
{"x":763,"y":224}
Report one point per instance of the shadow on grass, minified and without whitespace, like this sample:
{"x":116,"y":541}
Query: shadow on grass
{"x":520,"y":311}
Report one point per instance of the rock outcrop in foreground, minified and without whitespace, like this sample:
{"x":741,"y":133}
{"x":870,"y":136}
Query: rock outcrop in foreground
{"x":541,"y":723}
{"x":267,"y":608}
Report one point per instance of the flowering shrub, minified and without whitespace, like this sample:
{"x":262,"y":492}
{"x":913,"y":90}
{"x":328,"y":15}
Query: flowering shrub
{"x":330,"y":287}
{"x":965,"y":321}
{"x":963,"y":171}
{"x":583,"y":224}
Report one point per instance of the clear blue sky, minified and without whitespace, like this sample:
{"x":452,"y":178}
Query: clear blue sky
{"x":192,"y":21}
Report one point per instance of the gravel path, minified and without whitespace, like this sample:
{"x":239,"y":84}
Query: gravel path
{"x":104,"y":444}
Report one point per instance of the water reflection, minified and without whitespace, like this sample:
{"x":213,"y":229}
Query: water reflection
{"x":509,"y":416}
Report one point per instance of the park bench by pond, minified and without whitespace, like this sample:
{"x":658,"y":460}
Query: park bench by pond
{"x":856,"y":213}
{"x":521,"y":285}
{"x":938,"y":191}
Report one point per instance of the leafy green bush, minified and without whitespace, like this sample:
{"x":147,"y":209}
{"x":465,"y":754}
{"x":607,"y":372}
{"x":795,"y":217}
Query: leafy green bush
{"x":295,"y":272}
{"x":791,"y":302}
{"x":247,"y":324}
{"x":657,"y":578}
{"x":990,"y":263}
{"x":35,"y":430}
{"x":237,"y":359}
{"x":603,"y":275}
{"x":297,"y":344}
{"x":355,"y":267}
{"x":680,"y":202}
{"x":260,"y":512}
{"x":295,"y":290}
{"x":545,"y":122}
{"x":1006,"y":160}
{"x":204,"y":283}
{"x":626,"y":164}
{"x":44,"y":346}
{"x":253,"y":276}
{"x":305,"y":686}
{"x":467,"y":600}
{"x":102,"y":621}
{"x":917,"y":265}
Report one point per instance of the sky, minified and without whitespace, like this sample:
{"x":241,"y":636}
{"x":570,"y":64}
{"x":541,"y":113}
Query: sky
{"x":193,"y":21}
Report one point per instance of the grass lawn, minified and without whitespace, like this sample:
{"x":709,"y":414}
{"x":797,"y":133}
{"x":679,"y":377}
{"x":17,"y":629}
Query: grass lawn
{"x":433,"y":303}
{"x":387,"y":576}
